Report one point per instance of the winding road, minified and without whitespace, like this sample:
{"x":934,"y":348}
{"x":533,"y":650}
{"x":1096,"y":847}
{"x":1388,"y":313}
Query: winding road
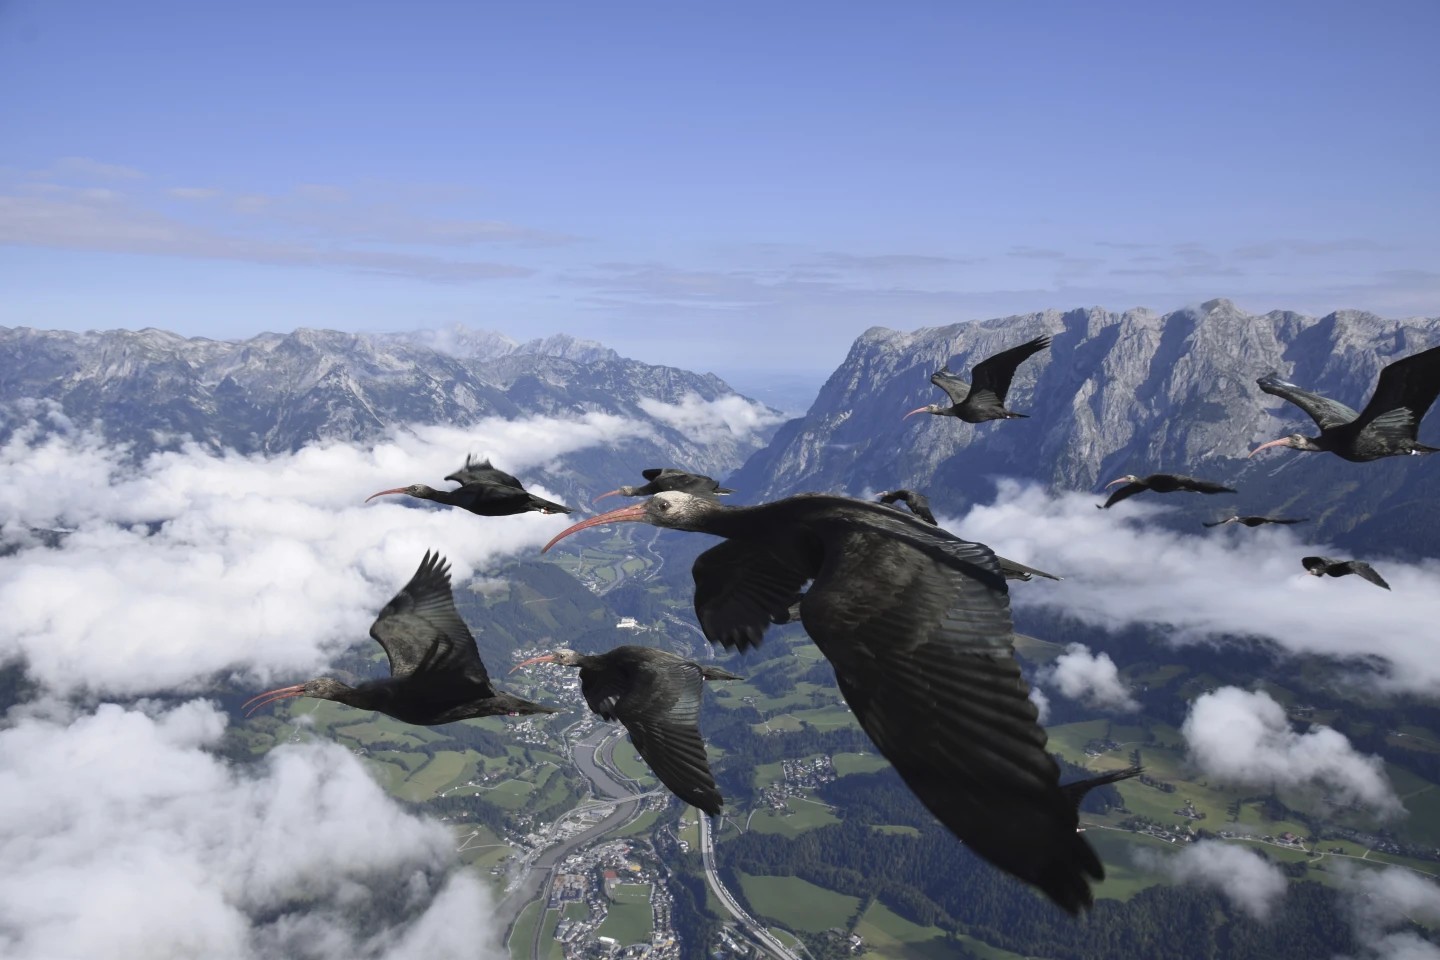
{"x":751,"y":926}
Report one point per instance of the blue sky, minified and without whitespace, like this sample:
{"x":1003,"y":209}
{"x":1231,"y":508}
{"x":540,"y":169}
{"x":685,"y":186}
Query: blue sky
{"x":741,"y":186}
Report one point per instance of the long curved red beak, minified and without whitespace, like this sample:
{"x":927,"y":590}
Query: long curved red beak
{"x":543,"y":658}
{"x":1113,"y":482}
{"x":635,"y":512}
{"x":273,"y":696}
{"x":604,"y":495}
{"x":383,"y":493}
{"x":913,"y":412}
{"x":1282,"y":442}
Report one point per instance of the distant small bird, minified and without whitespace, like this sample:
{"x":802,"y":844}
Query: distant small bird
{"x":656,"y":695}
{"x":1160,"y":483}
{"x":483,"y":490}
{"x":1327,"y":567}
{"x":668,"y":478}
{"x":1254,"y":521}
{"x":1387,"y":427}
{"x":984,"y":398}
{"x":919,"y":505}
{"x":436,"y":675}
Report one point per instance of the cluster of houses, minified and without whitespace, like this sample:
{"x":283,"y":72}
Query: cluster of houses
{"x":592,"y":877}
{"x":797,"y":777}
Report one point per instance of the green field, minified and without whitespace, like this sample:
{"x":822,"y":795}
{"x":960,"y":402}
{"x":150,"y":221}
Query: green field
{"x":523,"y":933}
{"x":848,"y":763}
{"x":797,"y":903}
{"x":628,"y":920}
{"x":628,"y":762}
{"x":445,"y":768}
{"x":804,"y":815}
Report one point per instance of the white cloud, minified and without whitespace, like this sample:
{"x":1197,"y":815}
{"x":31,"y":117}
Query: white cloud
{"x":192,"y":565}
{"x":1380,"y":900}
{"x":1091,"y":677}
{"x":1119,"y":573}
{"x":706,"y":421}
{"x":1244,"y":737}
{"x":1042,"y":703}
{"x":122,"y":838}
{"x":1249,"y":881}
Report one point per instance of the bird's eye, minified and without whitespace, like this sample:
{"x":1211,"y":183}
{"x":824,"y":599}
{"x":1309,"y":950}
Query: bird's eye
{"x":663,"y":504}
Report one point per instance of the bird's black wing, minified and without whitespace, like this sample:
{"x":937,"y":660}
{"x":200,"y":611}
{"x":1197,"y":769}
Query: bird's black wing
{"x":920,"y":636}
{"x":1203,"y":486}
{"x":1327,"y":414}
{"x":1018,"y":571}
{"x":421,"y":630}
{"x":655,"y":473}
{"x":1221,"y":523}
{"x":661,"y":708}
{"x":1256,"y":521}
{"x":473,"y":471}
{"x":993,"y":374}
{"x":1125,"y":492}
{"x":1408,"y":385}
{"x":741,"y":588}
{"x":1366,"y":572}
{"x":955,"y":388}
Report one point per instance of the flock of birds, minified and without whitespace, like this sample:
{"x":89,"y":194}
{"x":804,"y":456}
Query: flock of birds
{"x":914,"y":620}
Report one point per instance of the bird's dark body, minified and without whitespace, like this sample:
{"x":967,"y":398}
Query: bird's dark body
{"x":1387,"y":427}
{"x":1255,"y":521}
{"x":1329,"y":567}
{"x":656,"y":696}
{"x":916,"y":624}
{"x":436,"y":674}
{"x":484,"y":491}
{"x":983,"y":398}
{"x":1163,"y":483}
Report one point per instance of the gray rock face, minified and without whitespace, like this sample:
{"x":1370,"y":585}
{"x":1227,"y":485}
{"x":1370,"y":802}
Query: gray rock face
{"x":273,"y":392}
{"x":1133,"y":392}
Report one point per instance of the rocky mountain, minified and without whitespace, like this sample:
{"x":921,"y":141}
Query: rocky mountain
{"x":1133,"y":392}
{"x":273,"y":392}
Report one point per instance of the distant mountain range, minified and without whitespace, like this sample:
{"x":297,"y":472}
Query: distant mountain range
{"x":270,"y":393}
{"x":1117,"y":393}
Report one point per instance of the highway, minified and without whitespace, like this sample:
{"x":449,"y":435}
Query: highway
{"x":750,"y":925}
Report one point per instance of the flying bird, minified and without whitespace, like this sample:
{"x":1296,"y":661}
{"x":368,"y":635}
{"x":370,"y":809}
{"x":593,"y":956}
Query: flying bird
{"x":656,"y":695}
{"x":436,"y":675}
{"x":1326,"y":567}
{"x":919,"y":505}
{"x":1160,"y":483}
{"x":1387,"y":427}
{"x":668,"y":478}
{"x":483,"y":490}
{"x":984,"y":397}
{"x":1254,"y":521}
{"x":916,"y":624}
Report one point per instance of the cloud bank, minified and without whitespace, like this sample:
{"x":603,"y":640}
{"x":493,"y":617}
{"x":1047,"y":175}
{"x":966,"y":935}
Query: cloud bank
{"x":706,"y":421}
{"x":1089,"y":677}
{"x":1248,"y":880}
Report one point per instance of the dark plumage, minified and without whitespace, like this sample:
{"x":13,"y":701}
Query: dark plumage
{"x":656,"y":695}
{"x":1387,"y":427}
{"x":1327,"y":567}
{"x":436,"y":675}
{"x":919,"y":505}
{"x":916,"y":624}
{"x":668,"y":478}
{"x":1161,"y":483}
{"x":1255,"y":521}
{"x":984,"y":397}
{"x":483,"y":490}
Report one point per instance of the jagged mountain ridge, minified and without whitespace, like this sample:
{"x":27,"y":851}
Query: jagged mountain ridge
{"x":278,"y":392}
{"x":1133,"y":392}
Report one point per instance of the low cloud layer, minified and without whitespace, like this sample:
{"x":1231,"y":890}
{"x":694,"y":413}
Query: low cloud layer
{"x":1248,"y":880}
{"x":706,"y":421}
{"x":1120,"y":572}
{"x":1089,"y":677}
{"x":1381,"y":901}
{"x":192,"y":566}
{"x":1243,"y":737}
{"x":122,"y":838}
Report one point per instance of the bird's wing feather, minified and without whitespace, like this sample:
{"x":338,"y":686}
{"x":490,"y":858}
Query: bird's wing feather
{"x":1410,"y":384}
{"x":1203,"y":486}
{"x":421,"y":630}
{"x":994,"y":374}
{"x":920,"y":637}
{"x":661,"y":709}
{"x":741,"y":588}
{"x":1125,"y":492}
{"x":1363,"y":570}
{"x":955,"y":388}
{"x":472,"y":471}
{"x":656,"y":472}
{"x":1327,"y":414}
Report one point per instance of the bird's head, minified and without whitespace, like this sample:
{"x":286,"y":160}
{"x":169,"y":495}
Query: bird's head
{"x":1316,"y":566}
{"x":928,"y":408}
{"x":1296,"y":441}
{"x":672,"y":509}
{"x":1128,"y":478}
{"x":564,"y":657}
{"x":323,"y":688}
{"x":414,"y":490}
{"x":619,"y":492}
